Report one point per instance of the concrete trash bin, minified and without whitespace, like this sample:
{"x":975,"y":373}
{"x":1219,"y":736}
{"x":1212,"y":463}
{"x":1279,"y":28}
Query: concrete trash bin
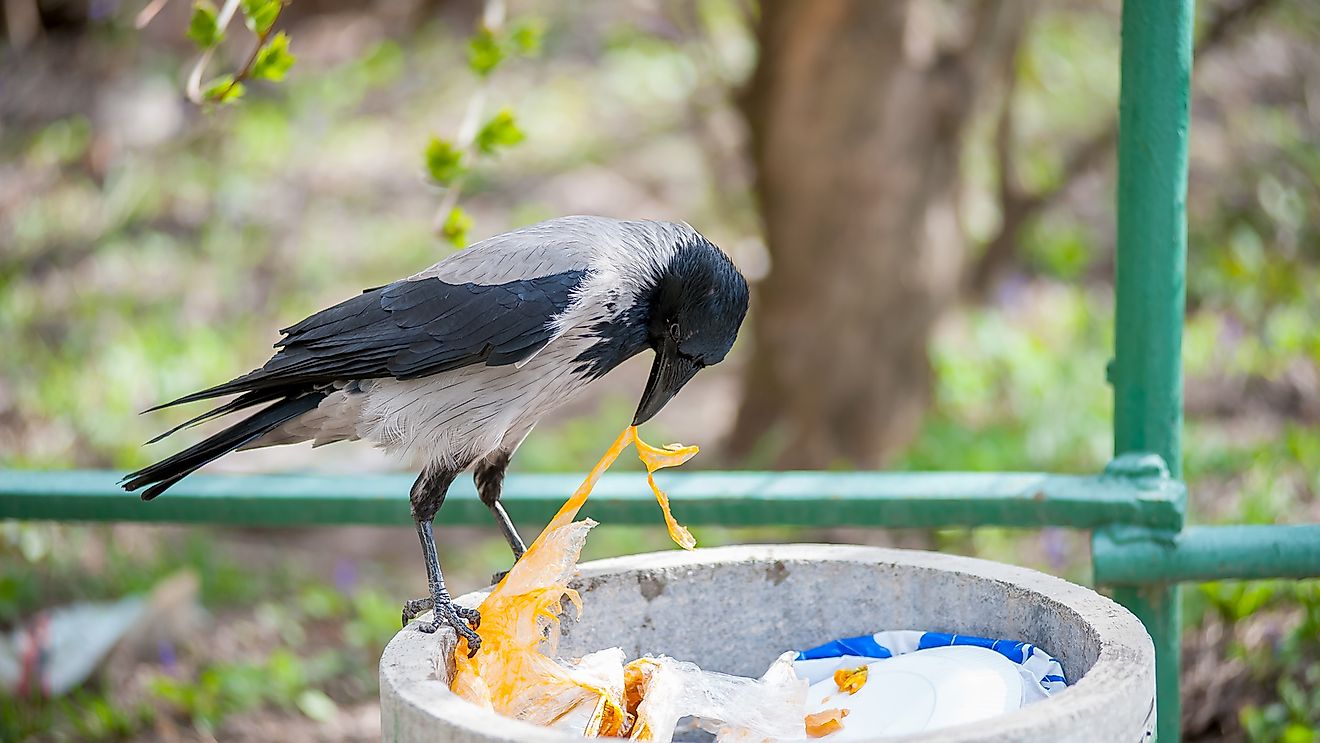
{"x":735,"y":609}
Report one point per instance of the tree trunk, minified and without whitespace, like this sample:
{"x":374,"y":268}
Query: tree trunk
{"x":857,"y":110}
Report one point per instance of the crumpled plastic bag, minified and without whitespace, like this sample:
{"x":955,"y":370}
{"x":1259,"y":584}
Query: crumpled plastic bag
{"x":515,"y":672}
{"x":737,"y":709}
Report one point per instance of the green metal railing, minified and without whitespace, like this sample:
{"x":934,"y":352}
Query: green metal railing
{"x":1150,"y":289}
{"x":725,"y":498}
{"x":1136,"y":508}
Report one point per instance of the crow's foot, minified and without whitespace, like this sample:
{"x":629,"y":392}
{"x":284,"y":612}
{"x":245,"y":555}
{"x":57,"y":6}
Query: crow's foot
{"x":465,"y":621}
{"x":497,"y":577}
{"x":414,"y":607}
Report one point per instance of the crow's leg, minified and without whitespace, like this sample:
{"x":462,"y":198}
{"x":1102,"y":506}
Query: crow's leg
{"x":489,"y":477}
{"x":428,"y":494}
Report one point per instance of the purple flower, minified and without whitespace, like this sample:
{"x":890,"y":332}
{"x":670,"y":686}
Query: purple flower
{"x":169,"y":659}
{"x":346,"y":576}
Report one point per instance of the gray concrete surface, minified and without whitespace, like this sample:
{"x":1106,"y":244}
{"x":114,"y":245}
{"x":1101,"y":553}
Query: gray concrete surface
{"x":734,"y":609}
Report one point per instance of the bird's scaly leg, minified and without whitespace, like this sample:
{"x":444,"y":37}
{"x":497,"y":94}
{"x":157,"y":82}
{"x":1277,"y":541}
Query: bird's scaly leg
{"x":489,"y":478}
{"x":428,"y":494}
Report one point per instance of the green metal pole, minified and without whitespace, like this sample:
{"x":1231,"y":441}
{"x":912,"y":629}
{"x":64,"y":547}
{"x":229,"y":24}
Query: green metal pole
{"x":1150,"y":276}
{"x":893,"y":499}
{"x":1140,"y":556}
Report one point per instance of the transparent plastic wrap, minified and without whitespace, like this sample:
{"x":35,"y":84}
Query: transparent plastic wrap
{"x":663,"y":691}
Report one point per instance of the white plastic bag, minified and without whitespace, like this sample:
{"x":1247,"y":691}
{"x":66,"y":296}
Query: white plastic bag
{"x":734,"y":707}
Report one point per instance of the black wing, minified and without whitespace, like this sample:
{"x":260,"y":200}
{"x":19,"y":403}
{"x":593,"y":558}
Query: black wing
{"x":409,"y":329}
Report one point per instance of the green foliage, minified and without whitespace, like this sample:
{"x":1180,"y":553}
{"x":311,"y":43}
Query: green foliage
{"x":260,"y":15}
{"x":485,"y":52}
{"x":1021,"y":389}
{"x":295,"y":676}
{"x":222,"y":689}
{"x":499,"y":131}
{"x":273,"y":60}
{"x":203,"y":28}
{"x":372,"y":620}
{"x":456,"y":227}
{"x":224,"y":89}
{"x":1290,"y":664}
{"x":444,"y":161}
{"x":526,"y":36}
{"x":316,"y":705}
{"x":60,"y":143}
{"x":1060,"y":248}
{"x":488,"y":48}
{"x":84,"y":715}
{"x":39,"y":568}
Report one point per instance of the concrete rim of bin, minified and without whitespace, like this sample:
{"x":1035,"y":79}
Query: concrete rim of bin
{"x":416,"y":703}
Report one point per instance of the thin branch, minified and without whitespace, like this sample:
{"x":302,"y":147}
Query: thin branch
{"x":492,"y":18}
{"x":246,"y":69}
{"x":194,"y":87}
{"x":148,"y":13}
{"x":1017,"y":208}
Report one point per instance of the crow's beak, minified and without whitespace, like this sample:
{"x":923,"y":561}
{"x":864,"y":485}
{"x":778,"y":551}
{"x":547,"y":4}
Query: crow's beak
{"x":668,"y":375}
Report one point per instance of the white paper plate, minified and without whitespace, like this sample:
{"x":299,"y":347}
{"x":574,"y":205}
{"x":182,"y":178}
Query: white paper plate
{"x":924,"y":690}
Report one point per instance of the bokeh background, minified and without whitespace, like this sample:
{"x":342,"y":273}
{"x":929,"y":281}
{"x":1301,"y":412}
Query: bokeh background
{"x":920,"y":190}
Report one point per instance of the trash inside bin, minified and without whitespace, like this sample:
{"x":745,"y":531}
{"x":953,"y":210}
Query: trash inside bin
{"x":729,"y":619}
{"x":906,"y":681}
{"x":734,"y":610}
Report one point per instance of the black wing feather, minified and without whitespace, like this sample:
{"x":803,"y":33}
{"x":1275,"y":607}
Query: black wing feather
{"x":410,"y":329}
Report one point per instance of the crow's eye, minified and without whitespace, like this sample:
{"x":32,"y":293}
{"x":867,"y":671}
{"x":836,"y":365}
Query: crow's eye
{"x":673,"y":330}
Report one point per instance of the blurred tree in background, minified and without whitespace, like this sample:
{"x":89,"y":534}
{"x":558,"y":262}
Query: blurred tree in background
{"x":922,"y":192}
{"x":858,"y":111}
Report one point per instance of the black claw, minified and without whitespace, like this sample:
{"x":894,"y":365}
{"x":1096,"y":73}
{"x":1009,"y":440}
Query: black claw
{"x":471,"y":616}
{"x":415,"y":607}
{"x":447,"y":613}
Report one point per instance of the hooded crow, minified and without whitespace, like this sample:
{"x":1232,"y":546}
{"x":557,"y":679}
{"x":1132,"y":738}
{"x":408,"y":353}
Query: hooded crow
{"x":452,"y":367}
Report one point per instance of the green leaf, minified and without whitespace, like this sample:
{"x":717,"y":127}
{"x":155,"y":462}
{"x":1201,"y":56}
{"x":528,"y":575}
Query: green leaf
{"x":316,"y":705}
{"x":223,"y":89}
{"x":203,"y":28}
{"x":273,"y":60}
{"x":526,"y":36}
{"x":261,"y":14}
{"x":484,"y":52}
{"x":500,"y":131}
{"x":444,"y":161}
{"x":456,"y":227}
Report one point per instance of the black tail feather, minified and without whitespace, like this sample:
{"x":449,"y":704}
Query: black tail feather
{"x":246,"y":400}
{"x":161,"y":475}
{"x":238,"y":384}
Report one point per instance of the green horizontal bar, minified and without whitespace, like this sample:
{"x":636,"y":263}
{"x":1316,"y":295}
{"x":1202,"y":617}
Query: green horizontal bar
{"x":1201,"y":553}
{"x":724,"y":498}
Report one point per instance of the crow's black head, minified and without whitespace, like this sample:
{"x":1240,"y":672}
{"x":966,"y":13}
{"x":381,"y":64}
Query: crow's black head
{"x":699,"y":303}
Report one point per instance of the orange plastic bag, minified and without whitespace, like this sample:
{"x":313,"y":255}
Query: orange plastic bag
{"x":515,"y":673}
